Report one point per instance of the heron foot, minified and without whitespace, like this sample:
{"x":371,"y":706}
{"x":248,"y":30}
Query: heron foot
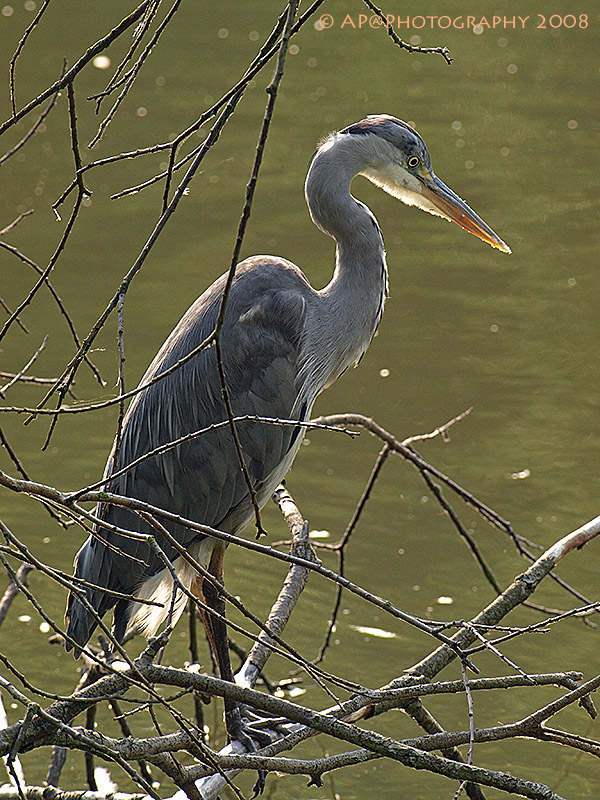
{"x":254,"y":732}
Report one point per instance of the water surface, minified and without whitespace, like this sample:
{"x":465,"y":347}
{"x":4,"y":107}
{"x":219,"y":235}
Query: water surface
{"x":512,"y":126}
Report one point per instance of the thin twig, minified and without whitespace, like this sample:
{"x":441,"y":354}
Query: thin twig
{"x":26,"y":260}
{"x":16,"y":221}
{"x":17,"y":53}
{"x":410,"y":455}
{"x":68,"y":76}
{"x":23,"y":141}
{"x":412,"y":48}
{"x":139,"y":33}
{"x":24,"y":368}
{"x":13,"y":590}
{"x":8,"y":311}
{"x":133,"y":73}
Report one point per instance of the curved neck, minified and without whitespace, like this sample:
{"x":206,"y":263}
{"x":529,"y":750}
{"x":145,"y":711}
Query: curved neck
{"x":352,"y":302}
{"x":359,"y":251}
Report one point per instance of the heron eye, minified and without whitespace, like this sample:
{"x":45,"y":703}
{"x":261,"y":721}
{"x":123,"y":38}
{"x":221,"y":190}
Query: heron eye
{"x":413,"y":161}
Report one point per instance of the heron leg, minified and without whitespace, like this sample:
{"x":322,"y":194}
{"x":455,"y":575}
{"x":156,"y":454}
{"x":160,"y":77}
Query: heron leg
{"x":216,"y":632}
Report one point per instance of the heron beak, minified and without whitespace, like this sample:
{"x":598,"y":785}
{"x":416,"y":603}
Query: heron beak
{"x":449,"y":205}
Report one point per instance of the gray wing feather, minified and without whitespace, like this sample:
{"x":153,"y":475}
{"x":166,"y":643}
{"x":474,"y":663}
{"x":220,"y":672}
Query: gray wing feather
{"x":201,"y":479}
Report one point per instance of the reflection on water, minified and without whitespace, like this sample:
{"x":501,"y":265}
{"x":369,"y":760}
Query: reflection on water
{"x":510,"y":128}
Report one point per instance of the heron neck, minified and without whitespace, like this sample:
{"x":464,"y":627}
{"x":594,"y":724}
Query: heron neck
{"x":347,"y":311}
{"x":358,"y":288}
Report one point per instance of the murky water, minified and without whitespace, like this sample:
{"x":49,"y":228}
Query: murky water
{"x":512,"y":126}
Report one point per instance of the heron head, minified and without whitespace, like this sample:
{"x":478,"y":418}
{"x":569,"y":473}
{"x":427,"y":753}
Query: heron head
{"x":397,"y":160}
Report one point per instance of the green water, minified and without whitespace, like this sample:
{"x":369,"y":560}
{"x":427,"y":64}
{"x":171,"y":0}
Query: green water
{"x":512,"y":127}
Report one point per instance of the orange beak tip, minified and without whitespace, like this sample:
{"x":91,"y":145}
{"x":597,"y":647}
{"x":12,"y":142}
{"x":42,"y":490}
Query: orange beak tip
{"x":503,"y":247}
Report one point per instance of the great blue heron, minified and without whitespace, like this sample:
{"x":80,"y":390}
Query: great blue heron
{"x":283,"y":342}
